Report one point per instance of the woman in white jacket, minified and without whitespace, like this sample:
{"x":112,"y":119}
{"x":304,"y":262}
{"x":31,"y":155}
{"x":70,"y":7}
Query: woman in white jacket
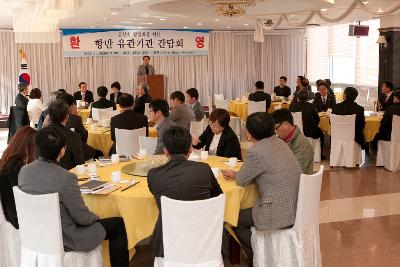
{"x":35,"y":106}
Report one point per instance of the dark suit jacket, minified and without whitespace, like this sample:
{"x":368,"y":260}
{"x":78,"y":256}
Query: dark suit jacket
{"x":74,"y":150}
{"x":261,"y":96}
{"x":228,"y":145}
{"x":18,"y":118}
{"x":140,"y":103}
{"x":385,"y":129}
{"x":284,"y":91}
{"x":103,"y":103}
{"x":88,"y":96}
{"x":80,"y":229}
{"x":128,"y":120}
{"x":179,"y":179}
{"x":112,"y":97}
{"x":348,"y":107}
{"x":75,"y":121}
{"x":310,"y":118}
{"x":9,"y":179}
{"x":385,"y":104}
{"x":319,"y":104}
{"x":21,"y":101}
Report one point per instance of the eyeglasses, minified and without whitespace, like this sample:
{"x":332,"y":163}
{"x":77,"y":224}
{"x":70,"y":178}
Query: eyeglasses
{"x":214,"y":124}
{"x":277,"y":127}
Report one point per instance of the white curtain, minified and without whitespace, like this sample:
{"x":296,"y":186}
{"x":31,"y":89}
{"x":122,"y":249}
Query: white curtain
{"x":235,"y":62}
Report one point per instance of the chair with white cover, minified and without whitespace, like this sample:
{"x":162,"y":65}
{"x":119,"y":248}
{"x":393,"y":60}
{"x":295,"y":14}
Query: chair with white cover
{"x":105,"y":116}
{"x":256,"y":106}
{"x":146,"y":109}
{"x":10,"y":243}
{"x":298,"y":120}
{"x":127,"y":141}
{"x":297,"y":246}
{"x":95,"y":112}
{"x":218,"y":97}
{"x":210,"y":105}
{"x":388,"y":151}
{"x":236,"y":124}
{"x":344,"y":150}
{"x":316,"y":143}
{"x":224,"y":104}
{"x":197,"y":127}
{"x":148,"y":143}
{"x":192,"y":232}
{"x":41,"y":234}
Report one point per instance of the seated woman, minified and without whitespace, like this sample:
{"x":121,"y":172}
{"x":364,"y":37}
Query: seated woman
{"x":20,"y":151}
{"x":35,"y":106}
{"x":219,"y":138}
{"x":142,"y":98}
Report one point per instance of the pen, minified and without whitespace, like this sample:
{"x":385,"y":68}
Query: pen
{"x":130,"y":186}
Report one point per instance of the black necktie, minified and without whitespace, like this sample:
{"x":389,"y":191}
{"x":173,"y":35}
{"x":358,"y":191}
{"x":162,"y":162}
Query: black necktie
{"x":147,"y":70}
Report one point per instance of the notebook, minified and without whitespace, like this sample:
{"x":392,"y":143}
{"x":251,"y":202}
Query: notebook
{"x":92,"y":186}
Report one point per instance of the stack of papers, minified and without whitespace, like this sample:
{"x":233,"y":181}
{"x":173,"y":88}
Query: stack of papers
{"x":93,"y":187}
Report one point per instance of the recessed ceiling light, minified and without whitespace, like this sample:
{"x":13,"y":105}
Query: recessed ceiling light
{"x":149,"y":23}
{"x":114,"y":13}
{"x":313,"y":21}
{"x":216,"y":19}
{"x":365,"y":2}
{"x":246,"y":24}
{"x":199,"y":23}
{"x":186,"y":27}
{"x":292,"y":16}
{"x":162,"y":19}
{"x":228,"y":27}
{"x":324,"y":9}
{"x":380,"y":10}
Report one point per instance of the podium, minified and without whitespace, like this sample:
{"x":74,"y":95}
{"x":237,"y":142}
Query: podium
{"x":157,"y":84}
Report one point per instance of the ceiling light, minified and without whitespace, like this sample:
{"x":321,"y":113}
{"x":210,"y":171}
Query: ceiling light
{"x":216,"y":19}
{"x":380,"y":10}
{"x":231,"y":8}
{"x":246,"y":24}
{"x":162,"y":19}
{"x":114,"y":13}
{"x":228,"y":27}
{"x":292,"y":16}
{"x":185,"y":27}
{"x":199,"y":23}
{"x":149,"y":23}
{"x":324,"y":9}
{"x":365,"y":2}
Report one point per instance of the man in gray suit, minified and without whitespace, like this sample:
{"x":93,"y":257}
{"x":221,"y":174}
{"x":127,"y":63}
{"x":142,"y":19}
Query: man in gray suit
{"x":192,"y":99}
{"x":182,"y":114}
{"x":81,"y":229}
{"x":158,"y":114}
{"x":144,"y":70}
{"x":274,"y":169}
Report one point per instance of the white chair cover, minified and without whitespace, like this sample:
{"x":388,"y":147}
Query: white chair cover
{"x":316,"y":143}
{"x":254,"y":107}
{"x":105,"y":116}
{"x":224,"y":104}
{"x":344,"y":150}
{"x":218,"y":97}
{"x":192,"y":232}
{"x":197,"y":127}
{"x":298,"y":246}
{"x":298,"y":120}
{"x":146,"y":109}
{"x":127,"y":141}
{"x":10,"y":243}
{"x":41,"y":234}
{"x":210,"y":105}
{"x":148,"y":143}
{"x":388,"y":151}
{"x":95,"y":112}
{"x":235,"y":124}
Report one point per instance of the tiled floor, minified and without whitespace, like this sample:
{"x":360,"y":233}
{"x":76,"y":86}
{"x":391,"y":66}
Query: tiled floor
{"x":359,"y":216}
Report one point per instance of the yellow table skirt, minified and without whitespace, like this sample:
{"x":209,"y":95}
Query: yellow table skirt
{"x":138,"y":208}
{"x":372,"y":124}
{"x":240,"y":108}
{"x":84,"y":114}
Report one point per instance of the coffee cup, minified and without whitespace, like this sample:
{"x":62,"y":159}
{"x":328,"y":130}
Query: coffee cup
{"x":116,"y":176}
{"x":80,"y":169}
{"x":203,"y":155}
{"x":232,"y":162}
{"x":114,"y":158}
{"x":91,"y":168}
{"x":143,"y":152}
{"x":93,"y":127}
{"x":89,"y":120}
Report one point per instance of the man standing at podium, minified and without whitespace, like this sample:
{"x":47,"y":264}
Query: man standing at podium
{"x":145,"y":70}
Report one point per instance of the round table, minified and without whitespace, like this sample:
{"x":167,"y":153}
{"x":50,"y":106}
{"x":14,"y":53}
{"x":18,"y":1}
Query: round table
{"x":139,"y":210}
{"x":240,"y":107}
{"x":372,"y":124}
{"x":84,"y":114}
{"x":100,"y":137}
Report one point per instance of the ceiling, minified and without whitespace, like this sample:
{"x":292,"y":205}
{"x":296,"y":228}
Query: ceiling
{"x":193,"y":14}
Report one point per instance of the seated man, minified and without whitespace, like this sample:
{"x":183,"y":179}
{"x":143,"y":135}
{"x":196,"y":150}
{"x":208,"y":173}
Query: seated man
{"x":386,"y":98}
{"x":179,"y":178}
{"x":75,"y":124}
{"x":159,"y":114}
{"x":192,"y":99}
{"x":127,"y":119}
{"x":298,"y":143}
{"x":21,"y":100}
{"x":58,"y":115}
{"x":282,"y":89}
{"x":349,"y":107}
{"x":274,"y":170}
{"x":385,"y":129}
{"x":260,"y":95}
{"x":323,"y":99}
{"x":103,"y":102}
{"x":116,"y":92}
{"x":181,"y":114}
{"x":82,"y":230}
{"x":83,"y":94}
